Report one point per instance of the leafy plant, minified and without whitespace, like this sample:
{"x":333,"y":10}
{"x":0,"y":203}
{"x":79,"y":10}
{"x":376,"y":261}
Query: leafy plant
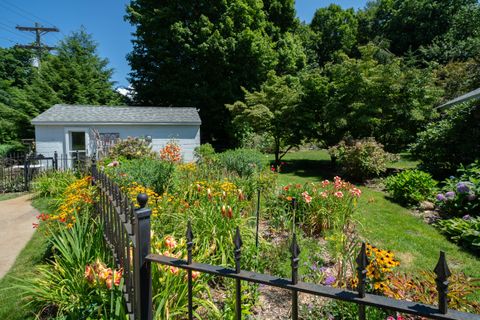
{"x":151,"y":173}
{"x":319,"y":206}
{"x":464,"y":231}
{"x":244,"y":162}
{"x":53,"y":183}
{"x":131,"y":148}
{"x":411,"y":187}
{"x":63,"y":287}
{"x":461,"y":195}
{"x":204,"y":153}
{"x":361,"y":159}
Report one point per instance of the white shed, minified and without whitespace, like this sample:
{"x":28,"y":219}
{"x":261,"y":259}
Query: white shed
{"x":77,"y":129}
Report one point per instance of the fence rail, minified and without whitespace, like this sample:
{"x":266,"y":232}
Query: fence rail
{"x":127,"y":231}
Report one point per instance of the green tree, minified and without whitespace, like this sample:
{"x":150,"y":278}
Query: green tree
{"x":337,"y":31}
{"x":76,"y":75}
{"x":281,"y":13}
{"x":199,"y":53}
{"x":410,"y":24}
{"x":380,"y":96}
{"x":274,"y":110}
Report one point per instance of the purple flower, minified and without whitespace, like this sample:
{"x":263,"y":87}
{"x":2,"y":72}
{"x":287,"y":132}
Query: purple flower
{"x":441,"y":197}
{"x":471,"y":197}
{"x":323,"y":269}
{"x":466,"y":217}
{"x":450,"y":195}
{"x":329,"y":280}
{"x":462,"y":187}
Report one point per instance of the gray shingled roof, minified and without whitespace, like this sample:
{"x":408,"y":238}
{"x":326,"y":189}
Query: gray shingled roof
{"x":475,"y":94}
{"x":79,"y":114}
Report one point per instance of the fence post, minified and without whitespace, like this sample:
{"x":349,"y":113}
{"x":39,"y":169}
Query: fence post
{"x":295,"y":251}
{"x":362,"y":263}
{"x":143,"y":277}
{"x":55,"y":160}
{"x":94,"y":171}
{"x":238,"y":291}
{"x":189,"y":236}
{"x":25,"y":173}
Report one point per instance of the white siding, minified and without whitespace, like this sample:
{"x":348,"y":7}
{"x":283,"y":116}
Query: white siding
{"x":51,"y":138}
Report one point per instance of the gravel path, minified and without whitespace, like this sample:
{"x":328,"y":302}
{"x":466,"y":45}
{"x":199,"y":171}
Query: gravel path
{"x":16,"y":219}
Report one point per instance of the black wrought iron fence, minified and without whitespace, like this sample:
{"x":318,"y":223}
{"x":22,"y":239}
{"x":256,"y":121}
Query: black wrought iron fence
{"x":127,"y":231}
{"x":17,"y":170}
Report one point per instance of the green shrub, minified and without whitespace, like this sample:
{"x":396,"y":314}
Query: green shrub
{"x":5,"y":149}
{"x":52,"y":184}
{"x":411,"y":187}
{"x":204,"y":153}
{"x":151,"y":173}
{"x":131,"y":148}
{"x":461,"y":195}
{"x":464,"y":231}
{"x":361,"y":159}
{"x":447,"y":143}
{"x":244,"y":162}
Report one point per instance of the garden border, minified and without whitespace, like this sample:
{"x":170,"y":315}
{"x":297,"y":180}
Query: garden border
{"x":126,"y":227}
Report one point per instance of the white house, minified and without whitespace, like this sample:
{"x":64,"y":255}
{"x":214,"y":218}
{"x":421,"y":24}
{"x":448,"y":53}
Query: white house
{"x":74,"y":130}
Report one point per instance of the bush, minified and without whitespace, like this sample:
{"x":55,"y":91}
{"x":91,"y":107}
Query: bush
{"x":151,"y":173}
{"x":244,"y":162}
{"x":411,"y":187}
{"x":361,"y":159}
{"x":204,"y":153}
{"x":461,"y":195}
{"x":464,"y":231}
{"x":131,"y":148}
{"x":453,"y":140}
{"x":52,"y":184}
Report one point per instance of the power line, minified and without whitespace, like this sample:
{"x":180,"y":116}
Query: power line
{"x":10,"y":40}
{"x":27,"y":12}
{"x":7,"y":28}
{"x":16,"y":12}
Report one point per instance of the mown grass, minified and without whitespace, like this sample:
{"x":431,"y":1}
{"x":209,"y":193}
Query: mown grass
{"x":383,"y":223}
{"x":8,"y":196}
{"x":12,"y":304}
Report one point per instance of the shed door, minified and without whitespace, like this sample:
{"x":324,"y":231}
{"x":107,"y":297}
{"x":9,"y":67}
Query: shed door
{"x":77,"y":147}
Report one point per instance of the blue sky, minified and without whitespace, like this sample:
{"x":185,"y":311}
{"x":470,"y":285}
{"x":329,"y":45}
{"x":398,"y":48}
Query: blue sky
{"x":103,"y":19}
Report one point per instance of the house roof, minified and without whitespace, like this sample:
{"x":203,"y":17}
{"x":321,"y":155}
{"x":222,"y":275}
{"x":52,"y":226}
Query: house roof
{"x":82,"y":114}
{"x":475,"y":94}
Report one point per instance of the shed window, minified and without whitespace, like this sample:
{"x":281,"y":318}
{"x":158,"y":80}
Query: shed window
{"x":78,"y":141}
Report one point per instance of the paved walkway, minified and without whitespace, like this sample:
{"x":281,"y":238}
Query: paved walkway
{"x":16,"y":218}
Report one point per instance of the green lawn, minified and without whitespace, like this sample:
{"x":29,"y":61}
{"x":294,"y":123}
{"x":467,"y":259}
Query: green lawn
{"x":7,"y":196}
{"x":34,"y":253}
{"x":385,"y":224}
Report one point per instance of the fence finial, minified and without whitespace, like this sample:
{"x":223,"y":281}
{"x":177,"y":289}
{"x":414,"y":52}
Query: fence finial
{"x":142,"y":200}
{"x":443,"y":273}
{"x":362,"y":263}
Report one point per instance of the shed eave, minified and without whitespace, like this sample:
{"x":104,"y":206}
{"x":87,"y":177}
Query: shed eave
{"x":63,"y":123}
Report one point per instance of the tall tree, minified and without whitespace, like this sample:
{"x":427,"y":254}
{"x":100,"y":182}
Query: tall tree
{"x":76,"y":75}
{"x":281,"y":13}
{"x":410,"y":24}
{"x":337,"y":31}
{"x":199,"y":53}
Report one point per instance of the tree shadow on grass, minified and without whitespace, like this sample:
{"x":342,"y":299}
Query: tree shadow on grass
{"x":319,"y":169}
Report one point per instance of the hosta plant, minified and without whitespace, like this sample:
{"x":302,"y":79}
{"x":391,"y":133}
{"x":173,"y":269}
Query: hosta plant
{"x":410,"y":187}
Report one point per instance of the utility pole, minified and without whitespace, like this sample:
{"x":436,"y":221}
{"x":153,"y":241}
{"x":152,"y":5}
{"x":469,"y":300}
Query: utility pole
{"x":39,"y":31}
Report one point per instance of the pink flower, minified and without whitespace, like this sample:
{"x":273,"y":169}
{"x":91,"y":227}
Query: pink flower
{"x":113,"y":164}
{"x":325,"y":183}
{"x":307,"y":197}
{"x":338,"y":194}
{"x":170,"y":242}
{"x":272,"y":168}
{"x":174,"y":270}
{"x":324,"y":194}
{"x":356,"y":192}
